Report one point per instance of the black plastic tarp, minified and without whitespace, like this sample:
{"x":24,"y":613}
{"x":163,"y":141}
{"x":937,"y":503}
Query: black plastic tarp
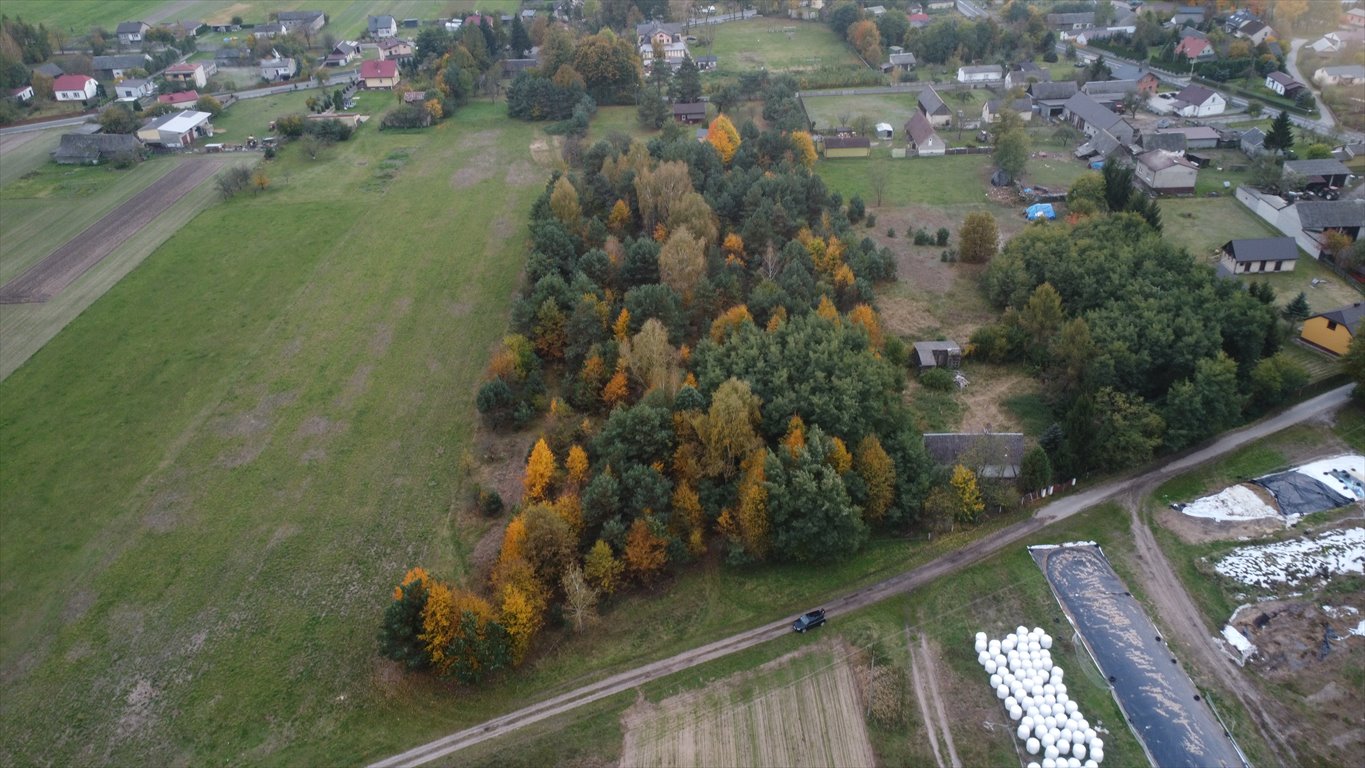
{"x":1299,"y":494}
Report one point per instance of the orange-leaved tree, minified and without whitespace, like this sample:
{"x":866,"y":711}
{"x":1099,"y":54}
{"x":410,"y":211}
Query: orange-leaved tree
{"x":722,"y":135}
{"x":646,"y":550}
{"x":878,"y":472}
{"x":577,"y":466}
{"x":540,"y":471}
{"x":866,"y":317}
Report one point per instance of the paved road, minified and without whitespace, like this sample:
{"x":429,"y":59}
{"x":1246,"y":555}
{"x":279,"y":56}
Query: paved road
{"x":65,"y":122}
{"x":1058,"y":510}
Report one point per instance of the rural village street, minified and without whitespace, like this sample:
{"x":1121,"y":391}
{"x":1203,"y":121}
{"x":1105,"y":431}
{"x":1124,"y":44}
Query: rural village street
{"x":1058,"y":510}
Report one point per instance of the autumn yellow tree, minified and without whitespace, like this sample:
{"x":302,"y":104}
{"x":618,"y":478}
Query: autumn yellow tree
{"x":619,"y":218}
{"x":646,"y":551}
{"x":576,"y":464}
{"x":795,"y":439}
{"x":540,"y":471}
{"x":602,"y":569}
{"x":866,"y":40}
{"x":751,"y":514}
{"x":433,"y":108}
{"x":523,"y":614}
{"x":651,"y":359}
{"x":621,"y":328}
{"x":682,"y":262}
{"x":968,"y":494}
{"x":727,"y":431}
{"x":564,"y":203}
{"x":878,"y":472}
{"x":866,"y":318}
{"x":827,"y":310}
{"x":722,"y":135}
{"x":733,"y":245}
{"x":570,"y":509}
{"x":691,"y":520}
{"x":729,"y":321}
{"x":839,"y":459}
{"x":805,"y":148}
{"x":617,"y":389}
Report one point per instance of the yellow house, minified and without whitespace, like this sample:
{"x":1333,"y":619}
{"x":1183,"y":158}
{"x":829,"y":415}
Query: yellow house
{"x":1331,"y":331}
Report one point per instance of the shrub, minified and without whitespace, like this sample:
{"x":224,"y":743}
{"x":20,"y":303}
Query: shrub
{"x":232,"y":181}
{"x":941,"y":236}
{"x":938,"y":379}
{"x":891,"y":232}
{"x":406,"y":116}
{"x":486,"y":500}
{"x":856,"y":209}
{"x":871,"y":220}
{"x":922,"y":237}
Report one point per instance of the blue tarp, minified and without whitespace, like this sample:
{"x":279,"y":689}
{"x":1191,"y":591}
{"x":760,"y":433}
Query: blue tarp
{"x":1096,"y":165}
{"x":1040,"y":211}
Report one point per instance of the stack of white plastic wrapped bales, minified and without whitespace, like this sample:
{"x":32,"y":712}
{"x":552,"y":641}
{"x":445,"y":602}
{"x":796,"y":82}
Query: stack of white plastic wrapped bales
{"x":1031,"y":688}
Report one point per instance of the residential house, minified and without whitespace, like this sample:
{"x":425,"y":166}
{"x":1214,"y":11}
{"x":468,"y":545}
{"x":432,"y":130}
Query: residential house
{"x":673,"y":53}
{"x":655,"y":32}
{"x":382,"y":26}
{"x":23,"y":93}
{"x":1071,"y":21}
{"x":1026,"y":74}
{"x":1318,"y":173}
{"x":1049,"y":99}
{"x":875,"y":11}
{"x":1187,"y":14}
{"x":847,"y":146}
{"x":1328,"y":43}
{"x":991,"y":455}
{"x":1350,"y":74}
{"x":396,"y":49}
{"x":176,"y":130}
{"x":1263,"y":254}
{"x":183,"y":29}
{"x":133,"y":88}
{"x":278,"y":68}
{"x":94,"y":148}
{"x":181,"y":100}
{"x":379,"y":74}
{"x":1255,"y":32}
{"x":1195,"y":49}
{"x":1110,"y":93}
{"x":984,"y":73}
{"x":229,"y":56}
{"x":74,"y":88}
{"x":132,"y":32}
{"x":1023,"y":108}
{"x":919,"y":20}
{"x":921,"y":137}
{"x":690,"y":112}
{"x":117,"y":67}
{"x":1198,"y":101}
{"x":936,"y":354}
{"x":191,"y":74}
{"x":48,"y":69}
{"x":1283,"y":84}
{"x":902,"y":61}
{"x":306,"y":22}
{"x":527,"y":14}
{"x":706,"y":63}
{"x":1354,"y":17}
{"x":1147,"y":84}
{"x":931,"y":105}
{"x":1092,"y":117}
{"x":1252,"y":142}
{"x":1238,"y":19}
{"x":343,"y":53}
{"x":1165,"y":173}
{"x":1331,"y":332}
{"x":271,"y":30}
{"x":1316,"y":218}
{"x":1196,"y":136}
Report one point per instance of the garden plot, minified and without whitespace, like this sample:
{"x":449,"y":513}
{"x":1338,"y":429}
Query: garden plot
{"x":1290,"y":563}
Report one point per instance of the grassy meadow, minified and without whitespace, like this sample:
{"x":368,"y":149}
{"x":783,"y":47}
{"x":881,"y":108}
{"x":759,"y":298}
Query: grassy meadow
{"x":345,"y":17}
{"x":776,"y":44}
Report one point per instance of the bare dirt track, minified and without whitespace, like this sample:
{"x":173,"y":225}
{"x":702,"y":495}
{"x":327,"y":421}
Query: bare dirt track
{"x":73,"y":258}
{"x":1060,"y":509}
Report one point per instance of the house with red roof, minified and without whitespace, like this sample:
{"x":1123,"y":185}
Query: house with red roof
{"x":74,"y":88}
{"x":185,"y":72}
{"x":182,"y":100}
{"x":379,"y":74}
{"x":1195,"y":49}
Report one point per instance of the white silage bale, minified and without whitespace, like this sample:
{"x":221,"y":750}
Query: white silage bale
{"x":1063,"y":746}
{"x":1027,"y":721}
{"x":1034,"y":765}
{"x":1060,"y":688}
{"x":1008,"y":643}
{"x":1097,"y":755}
{"x":1016,"y":712}
{"x":1079,"y":751}
{"x":1036,"y":691}
{"x":1050,"y":699}
{"x":990,"y":666}
{"x":1046,"y":710}
{"x":1050,"y":739}
{"x":1051,"y":752}
{"x":1001,"y":692}
{"x":1049,"y":690}
{"x":1010,"y":701}
{"x":1032,"y":746}
{"x":1049,"y":763}
{"x":982,"y":658}
{"x":1090,"y":735}
{"x":1070,"y":706}
{"x":1046,"y":641}
{"x":993,"y":647}
{"x":1020,"y":631}
{"x":1058,"y":673}
{"x":1073,"y":762}
{"x":1087,"y":764}
{"x":1040,"y":730}
{"x":1097,"y":745}
{"x":1067,"y":734}
{"x":996,"y":681}
{"x":1022,"y":731}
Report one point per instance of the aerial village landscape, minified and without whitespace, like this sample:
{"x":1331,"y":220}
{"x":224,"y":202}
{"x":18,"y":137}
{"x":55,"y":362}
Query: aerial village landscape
{"x":598,"y":383}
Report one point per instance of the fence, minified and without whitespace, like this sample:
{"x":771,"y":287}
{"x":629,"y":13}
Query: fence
{"x":1043,"y":493}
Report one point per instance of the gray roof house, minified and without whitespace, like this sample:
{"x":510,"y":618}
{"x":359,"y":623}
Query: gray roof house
{"x":1327,"y":172}
{"x":1263,"y":254}
{"x":1253,"y":141}
{"x":113,"y":67}
{"x":92,"y":149}
{"x":1318,"y":216}
{"x":1050,"y":98}
{"x":931,"y":105}
{"x":1171,"y":142}
{"x":1092,"y":117}
{"x":902,"y":61}
{"x":993,"y":455}
{"x":49,"y":69}
{"x":382,"y":26}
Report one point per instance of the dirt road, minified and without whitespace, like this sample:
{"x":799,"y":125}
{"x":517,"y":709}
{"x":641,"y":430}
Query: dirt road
{"x":73,"y":258}
{"x":912,"y":579}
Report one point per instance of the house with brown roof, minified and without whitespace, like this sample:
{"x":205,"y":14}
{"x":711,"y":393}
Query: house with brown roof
{"x":921,"y":137}
{"x":181,"y":100}
{"x":395,"y":48}
{"x":1283,"y":84}
{"x":192,"y":74}
{"x":690,"y":112}
{"x":379,"y":74}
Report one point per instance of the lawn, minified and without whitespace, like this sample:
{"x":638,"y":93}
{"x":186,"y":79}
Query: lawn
{"x":24,"y":152}
{"x":777,"y":44}
{"x":344,"y":17}
{"x":1202,"y":225}
{"x":215,"y":473}
{"x":610,"y":120}
{"x":956,"y":180}
{"x":1325,"y":289}
{"x":828,"y":111}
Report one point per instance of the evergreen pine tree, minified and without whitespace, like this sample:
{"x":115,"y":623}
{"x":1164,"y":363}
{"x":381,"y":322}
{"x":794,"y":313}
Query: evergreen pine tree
{"x":520,"y":41}
{"x":687,"y":82}
{"x":1297,"y":310}
{"x":1281,"y":135}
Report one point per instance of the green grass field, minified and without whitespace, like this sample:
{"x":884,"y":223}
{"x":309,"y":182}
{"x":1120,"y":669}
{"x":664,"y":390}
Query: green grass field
{"x":956,"y":180}
{"x":345,"y":17}
{"x":1201,"y":225}
{"x":778,"y":44}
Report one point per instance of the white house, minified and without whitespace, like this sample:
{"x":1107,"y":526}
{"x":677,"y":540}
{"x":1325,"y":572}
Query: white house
{"x":383,"y":26}
{"x":1255,"y":31}
{"x":278,"y":68}
{"x":131,"y":32}
{"x":922,"y":138}
{"x":134,"y":88}
{"x":74,"y":88}
{"x":1351,"y":74}
{"x":986,"y":73}
{"x":1164,"y":172}
{"x":1328,"y":43}
{"x":1198,"y":101}
{"x":1283,"y":84}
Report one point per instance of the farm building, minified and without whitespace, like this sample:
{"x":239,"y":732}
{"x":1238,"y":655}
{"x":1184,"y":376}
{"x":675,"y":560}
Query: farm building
{"x":131,"y":32}
{"x":851,"y":146}
{"x":931,"y":106}
{"x":92,"y":149}
{"x":181,"y":100}
{"x":1165,"y":173}
{"x":1354,"y":17}
{"x":1050,"y":98}
{"x":1332,"y":331}
{"x":379,"y":74}
{"x":187,"y":73}
{"x":303,"y":21}
{"x":1023,"y":108}
{"x":133,"y":89}
{"x":984,"y":73}
{"x":271,"y":30}
{"x":690,"y":112}
{"x":1148,"y":83}
{"x":1092,"y":117}
{"x":1283,"y":84}
{"x":1252,"y":142}
{"x":343,"y":53}
{"x":1171,"y":142}
{"x":117,"y":67}
{"x":1351,"y":74}
{"x":922,"y":138}
{"x":1193,"y":101}
{"x":936,"y":354}
{"x":885,"y":131}
{"x":902,"y":61}
{"x":1024,"y":75}
{"x":74,"y":88}
{"x":1071,"y":21}
{"x":1196,"y":136}
{"x":1109,"y":92}
{"x":176,"y":129}
{"x":1263,"y":254}
{"x":1318,"y":217}
{"x":994,"y":455}
{"x":1318,"y":173}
